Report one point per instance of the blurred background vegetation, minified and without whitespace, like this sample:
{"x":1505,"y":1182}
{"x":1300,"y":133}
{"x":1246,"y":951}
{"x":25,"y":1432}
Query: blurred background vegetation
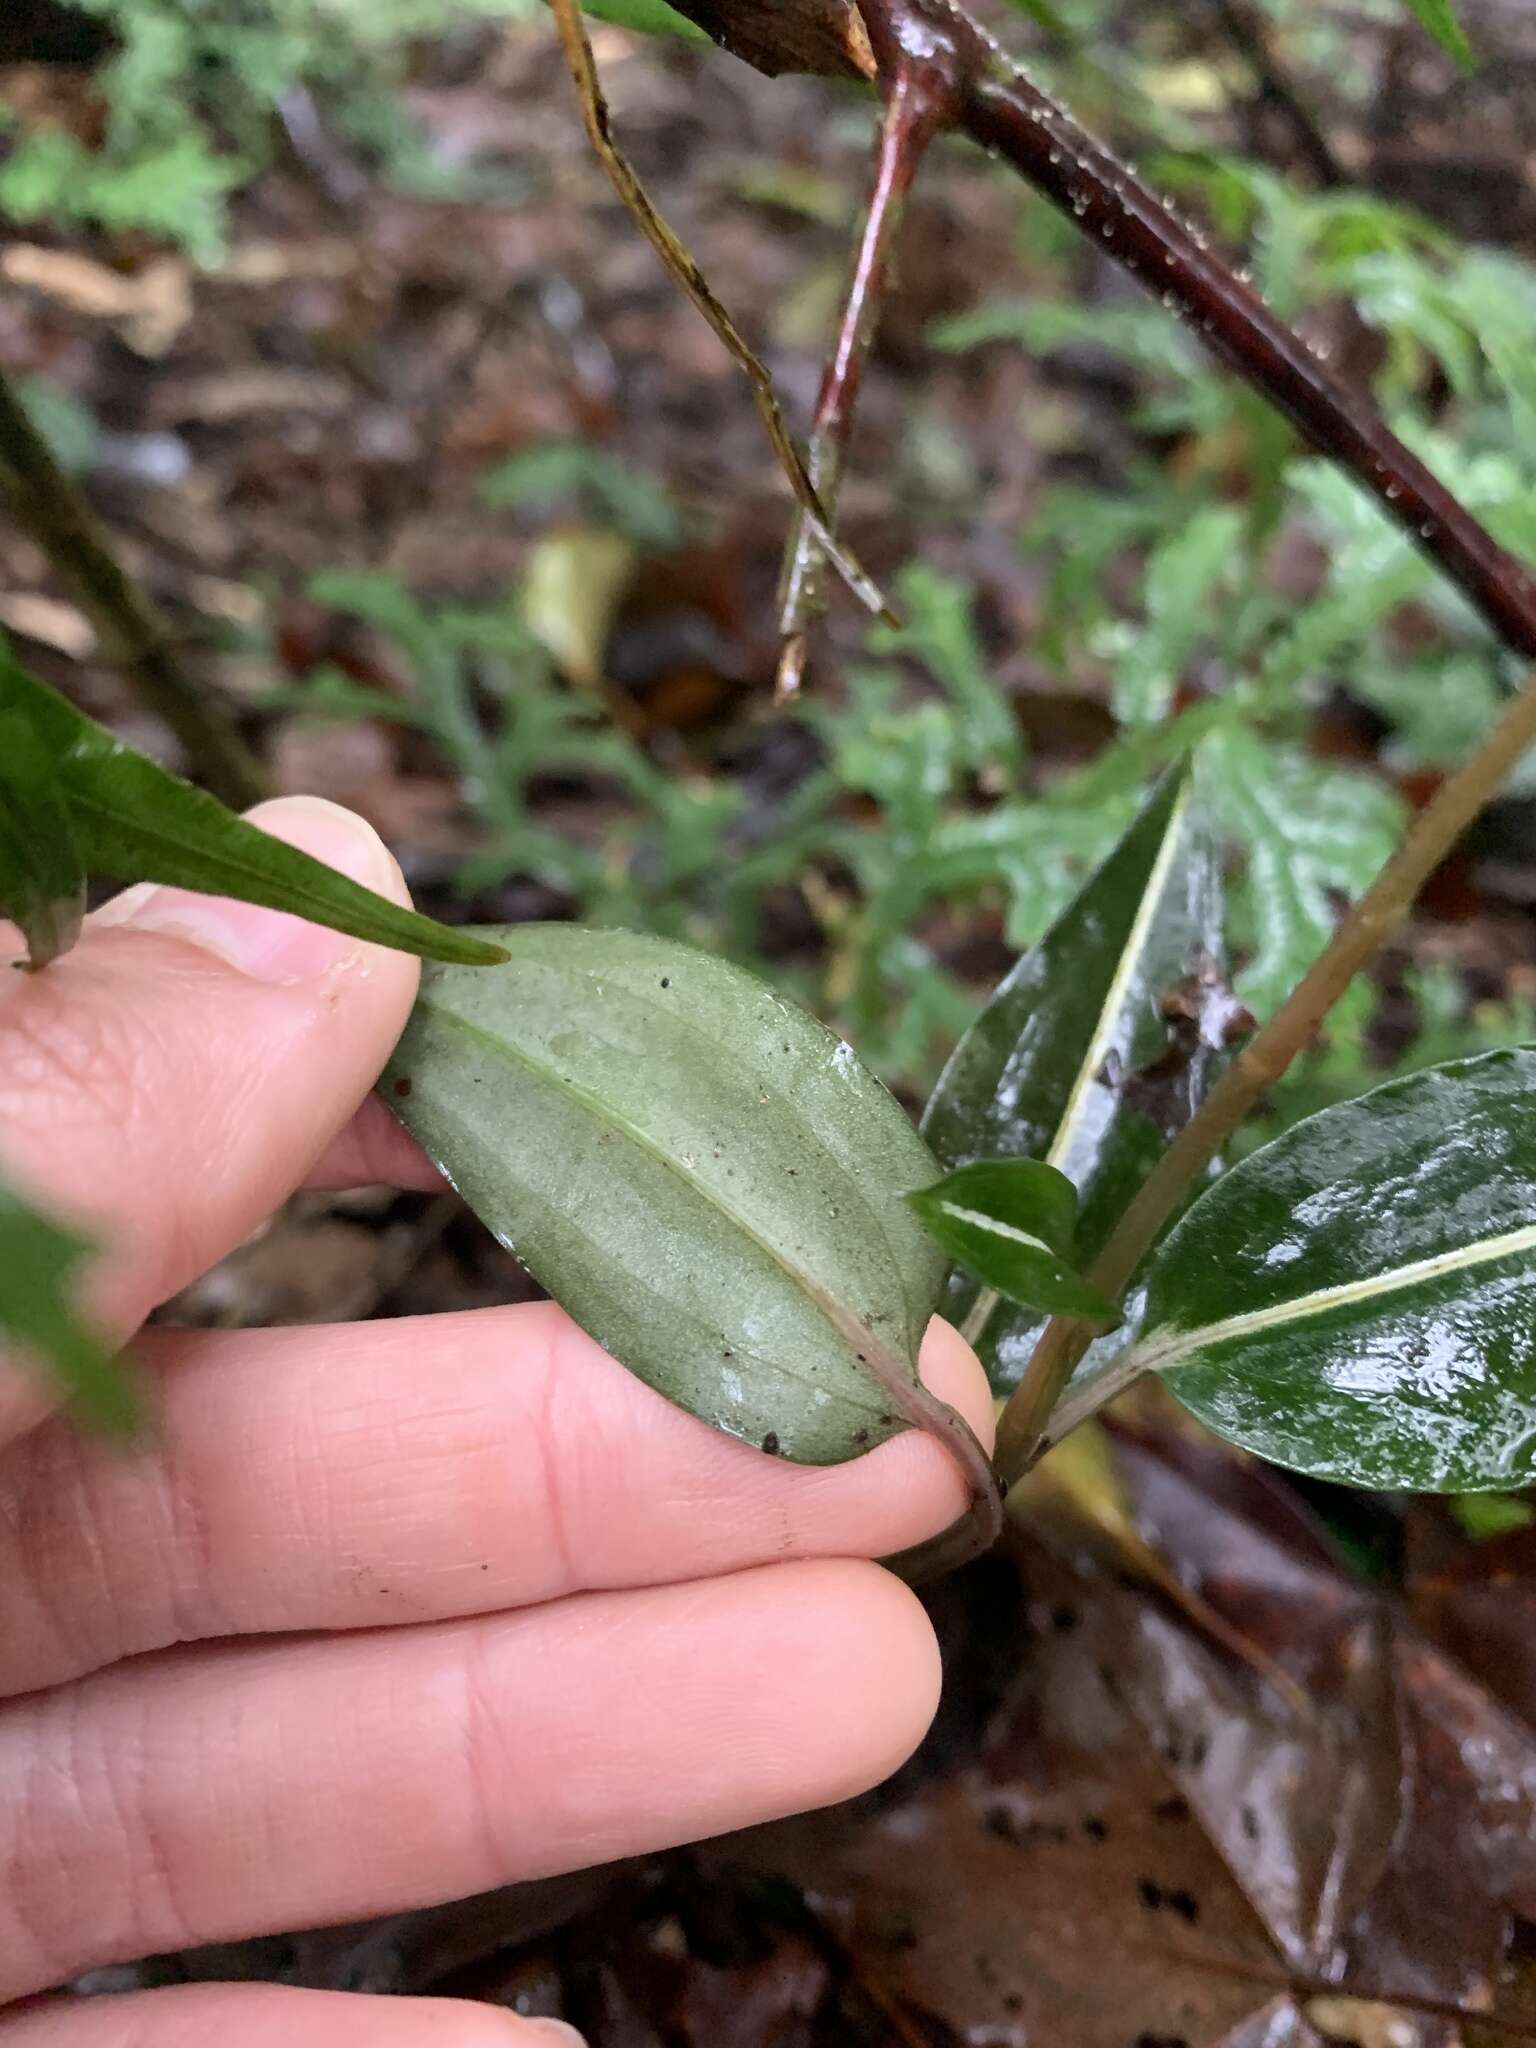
{"x":462,"y":514}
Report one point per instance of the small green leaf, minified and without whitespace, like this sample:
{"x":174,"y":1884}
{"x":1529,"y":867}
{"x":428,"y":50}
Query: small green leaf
{"x":38,"y":1259}
{"x":133,"y":820}
{"x":707,"y":1179}
{"x":1440,"y":18}
{"x":1358,"y":1299}
{"x":1011,"y":1222}
{"x":1098,"y":1046}
{"x":42,"y":884}
{"x":647,"y":17}
{"x":940,"y":632}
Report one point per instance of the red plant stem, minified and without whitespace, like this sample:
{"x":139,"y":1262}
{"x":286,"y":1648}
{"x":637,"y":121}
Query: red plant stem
{"x":920,"y":95}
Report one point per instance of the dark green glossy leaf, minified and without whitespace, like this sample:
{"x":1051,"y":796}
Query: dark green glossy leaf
{"x":1011,"y":1222}
{"x":648,"y":17}
{"x":133,"y":820}
{"x":38,"y":1261}
{"x":42,"y":884}
{"x":707,"y":1179}
{"x":1358,"y":1300}
{"x":1098,"y":1046}
{"x":1444,"y":24}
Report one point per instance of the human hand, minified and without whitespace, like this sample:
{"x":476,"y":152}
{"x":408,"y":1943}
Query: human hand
{"x":377,"y":1614}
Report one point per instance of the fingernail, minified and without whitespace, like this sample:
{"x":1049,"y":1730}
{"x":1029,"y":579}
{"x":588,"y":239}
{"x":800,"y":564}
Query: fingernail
{"x":268,"y":945}
{"x":556,"y":2034}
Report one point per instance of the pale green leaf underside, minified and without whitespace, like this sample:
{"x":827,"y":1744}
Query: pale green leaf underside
{"x":1358,"y":1300}
{"x":706,"y":1178}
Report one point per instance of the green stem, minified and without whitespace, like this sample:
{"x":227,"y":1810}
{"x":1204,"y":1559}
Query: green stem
{"x":1262,"y":1062}
{"x":1081,"y":1403}
{"x":136,"y":635}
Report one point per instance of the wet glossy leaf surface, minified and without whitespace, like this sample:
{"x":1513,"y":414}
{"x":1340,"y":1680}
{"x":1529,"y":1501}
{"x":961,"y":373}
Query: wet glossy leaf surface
{"x":134,"y":821}
{"x":706,"y":1177}
{"x":1358,"y":1299}
{"x":1098,"y":1045}
{"x":1011,"y":1223}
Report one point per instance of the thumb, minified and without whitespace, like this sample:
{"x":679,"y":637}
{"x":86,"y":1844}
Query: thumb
{"x":170,"y":1081}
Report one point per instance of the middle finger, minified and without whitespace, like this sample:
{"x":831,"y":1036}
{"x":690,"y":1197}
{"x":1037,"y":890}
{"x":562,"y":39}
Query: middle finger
{"x":367,"y":1474}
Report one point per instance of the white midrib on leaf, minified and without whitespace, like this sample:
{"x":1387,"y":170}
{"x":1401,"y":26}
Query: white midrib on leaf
{"x":995,"y":1227}
{"x":1103,"y":1031}
{"x":1158,"y":1353}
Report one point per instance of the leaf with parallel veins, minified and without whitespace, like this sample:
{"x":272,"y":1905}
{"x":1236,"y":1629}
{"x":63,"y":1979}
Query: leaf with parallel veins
{"x":1358,"y":1299}
{"x":705,"y":1176}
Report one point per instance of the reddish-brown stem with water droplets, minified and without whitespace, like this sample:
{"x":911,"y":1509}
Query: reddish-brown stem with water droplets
{"x":1007,"y":113}
{"x":920,"y":95}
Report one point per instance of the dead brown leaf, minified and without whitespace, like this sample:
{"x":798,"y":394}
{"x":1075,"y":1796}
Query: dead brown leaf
{"x":149,"y":307}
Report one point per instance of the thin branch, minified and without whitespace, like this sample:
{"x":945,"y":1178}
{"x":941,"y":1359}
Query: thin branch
{"x":1008,"y":113}
{"x":50,"y":507}
{"x":919,"y":95}
{"x":1004,"y":110}
{"x":1084,"y":1401}
{"x":1263,"y":1061}
{"x":1250,"y":35}
{"x":681,"y":266}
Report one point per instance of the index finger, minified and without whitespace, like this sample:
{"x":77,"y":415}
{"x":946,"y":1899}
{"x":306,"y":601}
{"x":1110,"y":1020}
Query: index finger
{"x":165,"y":1085}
